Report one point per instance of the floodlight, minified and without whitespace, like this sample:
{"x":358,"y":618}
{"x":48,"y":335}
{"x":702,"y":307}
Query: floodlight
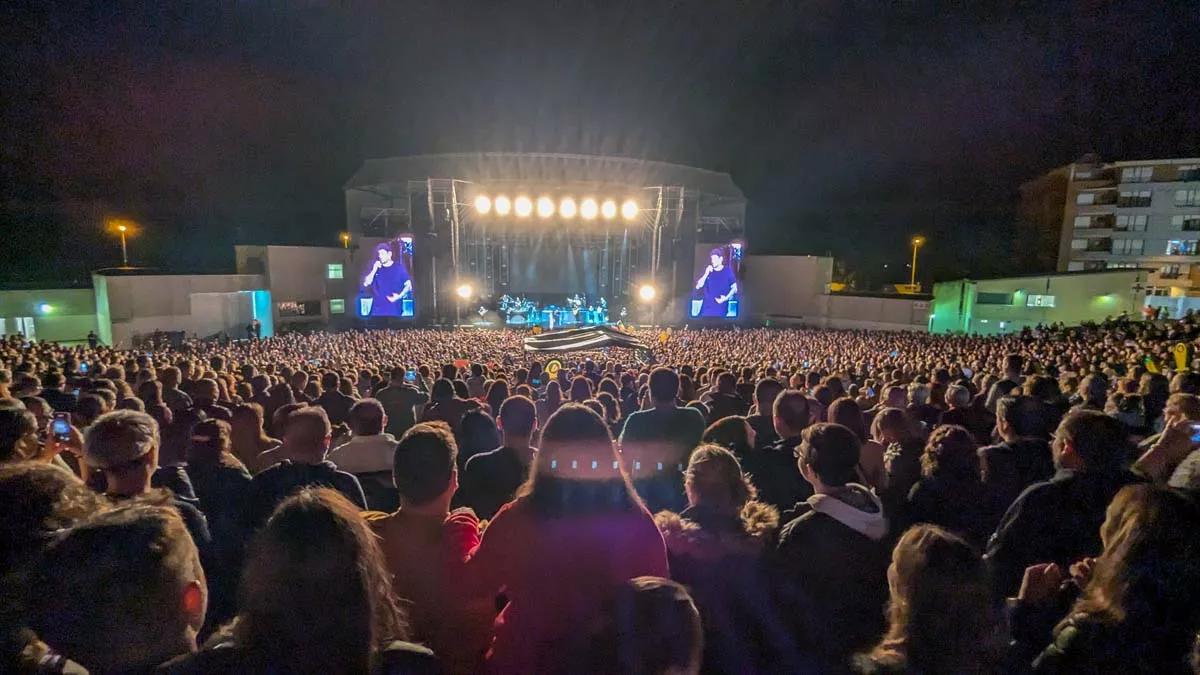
{"x":567,"y":208}
{"x":629,"y":210}
{"x":545,"y":207}
{"x":464,"y":291}
{"x":609,"y":209}
{"x":503,"y":205}
{"x":647,"y":292}
{"x":522,"y":206}
{"x":483,"y":205}
{"x":589,"y":209}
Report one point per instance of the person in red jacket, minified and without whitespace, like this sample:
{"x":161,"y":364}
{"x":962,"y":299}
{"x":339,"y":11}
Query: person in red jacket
{"x":426,"y":547}
{"x":576,"y":532}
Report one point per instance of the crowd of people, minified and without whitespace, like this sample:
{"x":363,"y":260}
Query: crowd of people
{"x":734,"y":501}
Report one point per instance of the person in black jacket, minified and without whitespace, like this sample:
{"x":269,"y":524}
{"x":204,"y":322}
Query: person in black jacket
{"x":1058,"y":521}
{"x":830,"y":566}
{"x":773,"y":469}
{"x":762,"y":421}
{"x":1140,"y":601}
{"x":1022,"y":459}
{"x":305,"y":442}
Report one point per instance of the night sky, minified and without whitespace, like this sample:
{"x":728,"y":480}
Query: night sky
{"x":850,"y":125}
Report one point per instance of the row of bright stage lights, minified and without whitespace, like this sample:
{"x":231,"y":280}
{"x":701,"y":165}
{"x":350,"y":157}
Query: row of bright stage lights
{"x":523,"y":207}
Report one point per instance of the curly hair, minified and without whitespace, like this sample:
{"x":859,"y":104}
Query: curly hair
{"x":951,"y":452}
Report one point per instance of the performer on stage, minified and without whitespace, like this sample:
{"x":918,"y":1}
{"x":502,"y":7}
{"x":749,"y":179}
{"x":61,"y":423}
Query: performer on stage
{"x":718,"y":283}
{"x":389,"y":282}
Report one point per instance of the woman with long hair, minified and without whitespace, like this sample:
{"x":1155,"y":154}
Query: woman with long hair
{"x":1140,"y":602}
{"x":847,"y":413}
{"x":581,"y":389}
{"x":315,"y":598}
{"x":549,"y":404}
{"x":947,"y":493}
{"x":715,"y":547}
{"x":575,"y":532}
{"x":150,"y":392}
{"x":248,"y":438}
{"x":496,"y":393}
{"x":938,"y":614}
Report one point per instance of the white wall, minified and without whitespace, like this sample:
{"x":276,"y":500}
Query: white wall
{"x":203,"y":304}
{"x":874,"y":313}
{"x":784,"y":285}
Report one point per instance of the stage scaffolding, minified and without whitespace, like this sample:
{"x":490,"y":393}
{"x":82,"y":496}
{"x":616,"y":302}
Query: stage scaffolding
{"x":679,"y":207}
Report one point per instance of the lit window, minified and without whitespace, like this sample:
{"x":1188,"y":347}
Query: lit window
{"x":334,"y":271}
{"x":1085,"y":198}
{"x":1181,"y":247}
{"x":1137,"y":174}
{"x":1187,"y":198}
{"x":1039,"y":301}
{"x":337,"y":306}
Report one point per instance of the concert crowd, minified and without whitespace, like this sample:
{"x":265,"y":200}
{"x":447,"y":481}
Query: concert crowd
{"x":728,"y":501}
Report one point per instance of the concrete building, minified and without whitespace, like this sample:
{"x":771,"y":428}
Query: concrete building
{"x":995,"y":306}
{"x":51,"y":314}
{"x":1135,"y":214}
{"x":310,"y":285}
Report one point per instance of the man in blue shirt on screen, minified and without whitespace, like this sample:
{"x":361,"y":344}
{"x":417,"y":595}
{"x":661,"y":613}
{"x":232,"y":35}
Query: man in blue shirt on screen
{"x":389,"y":282}
{"x":719,"y":285}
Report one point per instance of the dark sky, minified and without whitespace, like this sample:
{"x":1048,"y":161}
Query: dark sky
{"x":850,"y":125}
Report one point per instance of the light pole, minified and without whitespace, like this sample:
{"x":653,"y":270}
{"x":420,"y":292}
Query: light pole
{"x":122,"y":228}
{"x":916,"y":244}
{"x":345,"y":240}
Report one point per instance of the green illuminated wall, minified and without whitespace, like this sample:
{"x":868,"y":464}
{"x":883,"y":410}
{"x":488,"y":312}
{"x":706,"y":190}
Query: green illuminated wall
{"x":59,"y":314}
{"x":967,"y":306}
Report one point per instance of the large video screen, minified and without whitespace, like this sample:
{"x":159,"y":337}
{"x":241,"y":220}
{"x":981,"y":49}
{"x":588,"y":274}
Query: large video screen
{"x":386,"y":280}
{"x":716,"y":291}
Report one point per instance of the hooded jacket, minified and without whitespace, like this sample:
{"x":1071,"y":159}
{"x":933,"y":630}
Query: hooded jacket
{"x":830,"y":568}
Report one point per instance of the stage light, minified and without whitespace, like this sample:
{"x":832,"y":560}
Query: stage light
{"x":588,"y":209}
{"x":647,"y":292}
{"x":464,"y":291}
{"x":483,"y":205}
{"x":609,"y":209}
{"x":567,"y":208}
{"x":45,"y":308}
{"x":522,"y":206}
{"x":629,"y":210}
{"x":503,"y":205}
{"x":545,"y":207}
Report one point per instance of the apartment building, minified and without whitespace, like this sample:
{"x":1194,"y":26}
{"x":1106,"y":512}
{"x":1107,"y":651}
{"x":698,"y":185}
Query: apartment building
{"x":1136,"y":214}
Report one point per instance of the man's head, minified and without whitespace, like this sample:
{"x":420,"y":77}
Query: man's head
{"x":306,"y":435}
{"x":664,"y":386}
{"x":726,"y":383}
{"x":828,"y":455}
{"x":1020,"y":417}
{"x":1089,"y":440}
{"x":329,"y":382}
{"x":765,"y":393}
{"x":367,"y":418}
{"x":958,"y":396}
{"x":54,"y":380}
{"x":791,"y":413}
{"x":424,"y":468}
{"x":207,"y":390}
{"x":716,"y":257}
{"x":1013,"y":363}
{"x":1182,"y":407}
{"x":123,"y":444}
{"x":121,"y":591}
{"x":170,"y":377}
{"x":1185,"y":383}
{"x":518,"y":417}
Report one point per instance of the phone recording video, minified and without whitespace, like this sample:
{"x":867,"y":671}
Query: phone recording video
{"x":61,"y":426}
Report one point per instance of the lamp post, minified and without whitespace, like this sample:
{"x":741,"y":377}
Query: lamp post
{"x":122,"y":228}
{"x":916,"y":244}
{"x":345,"y":240}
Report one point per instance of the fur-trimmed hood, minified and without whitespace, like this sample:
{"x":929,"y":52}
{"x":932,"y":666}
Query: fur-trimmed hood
{"x":702,"y":534}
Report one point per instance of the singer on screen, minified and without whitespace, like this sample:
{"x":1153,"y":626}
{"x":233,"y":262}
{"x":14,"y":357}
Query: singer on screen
{"x":718,"y":283}
{"x":388,"y":281}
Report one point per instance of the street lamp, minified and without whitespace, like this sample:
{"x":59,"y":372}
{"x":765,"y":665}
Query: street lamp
{"x":345,"y":240}
{"x":916,"y":244}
